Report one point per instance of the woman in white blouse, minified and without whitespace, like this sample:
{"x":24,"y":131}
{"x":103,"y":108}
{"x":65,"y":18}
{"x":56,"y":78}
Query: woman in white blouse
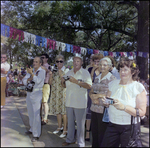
{"x":99,"y":89}
{"x":128,"y":94}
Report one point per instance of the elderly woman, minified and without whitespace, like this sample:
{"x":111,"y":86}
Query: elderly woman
{"x":99,"y":89}
{"x":94,"y":71}
{"x":128,"y":94}
{"x":58,"y":95}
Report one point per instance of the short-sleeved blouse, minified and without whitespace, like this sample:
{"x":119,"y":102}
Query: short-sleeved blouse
{"x":126,"y":94}
{"x":101,"y":88}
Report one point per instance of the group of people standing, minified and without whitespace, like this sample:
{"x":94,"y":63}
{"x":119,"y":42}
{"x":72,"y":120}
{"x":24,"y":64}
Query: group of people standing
{"x":78,"y":96}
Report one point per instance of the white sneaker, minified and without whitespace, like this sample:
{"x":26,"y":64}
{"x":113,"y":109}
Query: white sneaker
{"x":58,"y":130}
{"x":63,"y":134}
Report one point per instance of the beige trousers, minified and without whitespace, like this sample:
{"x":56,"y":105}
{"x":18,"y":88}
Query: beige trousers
{"x":3,"y":87}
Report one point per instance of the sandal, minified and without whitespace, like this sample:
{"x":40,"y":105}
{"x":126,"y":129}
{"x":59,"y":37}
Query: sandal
{"x":44,"y":122}
{"x":63,"y":134}
{"x":58,"y":130}
{"x":87,"y":139}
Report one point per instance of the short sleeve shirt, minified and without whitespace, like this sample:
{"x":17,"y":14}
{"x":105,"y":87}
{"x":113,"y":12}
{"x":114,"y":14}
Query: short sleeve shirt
{"x":6,"y":66}
{"x":126,"y":94}
{"x":76,"y":96}
{"x":100,"y":86}
{"x":47,"y":73}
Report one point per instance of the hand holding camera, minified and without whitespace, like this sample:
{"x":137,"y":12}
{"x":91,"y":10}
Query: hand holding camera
{"x":118,"y":105}
{"x":66,"y":78}
{"x":53,"y":69}
{"x":108,"y":101}
{"x":29,"y":70}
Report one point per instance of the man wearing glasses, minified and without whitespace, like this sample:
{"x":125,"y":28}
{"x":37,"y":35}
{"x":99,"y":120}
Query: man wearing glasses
{"x":4,"y":69}
{"x":46,"y":89}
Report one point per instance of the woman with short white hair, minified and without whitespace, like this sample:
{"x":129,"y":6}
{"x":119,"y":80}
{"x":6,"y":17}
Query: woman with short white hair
{"x":99,"y":89}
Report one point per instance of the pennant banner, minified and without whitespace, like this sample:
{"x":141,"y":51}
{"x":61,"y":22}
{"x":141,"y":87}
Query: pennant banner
{"x":56,"y":45}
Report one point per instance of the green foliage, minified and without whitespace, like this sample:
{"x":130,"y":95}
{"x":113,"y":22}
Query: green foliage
{"x":103,"y":25}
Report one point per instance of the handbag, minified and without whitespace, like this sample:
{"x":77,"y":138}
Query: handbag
{"x":105,"y":115}
{"x":135,"y":137}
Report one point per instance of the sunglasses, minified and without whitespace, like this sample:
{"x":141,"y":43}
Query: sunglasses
{"x":59,"y":61}
{"x":42,"y":57}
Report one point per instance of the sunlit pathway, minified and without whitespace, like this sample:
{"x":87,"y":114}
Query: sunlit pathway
{"x":12,"y":127}
{"x":14,"y":123}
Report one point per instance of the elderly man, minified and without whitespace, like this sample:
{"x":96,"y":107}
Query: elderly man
{"x":76,"y":100}
{"x":4,"y":70}
{"x":34,"y":98}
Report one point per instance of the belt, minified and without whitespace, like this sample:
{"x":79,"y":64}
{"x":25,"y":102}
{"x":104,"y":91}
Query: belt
{"x":45,"y":83}
{"x":37,"y":89}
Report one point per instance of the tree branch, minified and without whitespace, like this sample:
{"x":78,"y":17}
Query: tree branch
{"x":129,"y":3}
{"x":115,"y":43}
{"x":99,"y":27}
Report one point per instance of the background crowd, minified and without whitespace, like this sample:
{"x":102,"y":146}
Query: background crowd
{"x":78,"y":97}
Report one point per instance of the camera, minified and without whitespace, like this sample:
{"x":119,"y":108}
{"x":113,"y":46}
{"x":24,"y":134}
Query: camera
{"x":49,"y":68}
{"x":66,"y":78}
{"x":29,"y":86}
{"x":109,"y":101}
{"x":54,"y":69}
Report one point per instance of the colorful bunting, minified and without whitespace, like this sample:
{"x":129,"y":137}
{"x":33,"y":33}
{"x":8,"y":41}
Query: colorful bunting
{"x":56,"y":45}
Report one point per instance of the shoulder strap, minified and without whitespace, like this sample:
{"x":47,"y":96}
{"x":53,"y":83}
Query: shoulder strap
{"x":37,"y":72}
{"x":138,"y":123}
{"x":131,"y":127}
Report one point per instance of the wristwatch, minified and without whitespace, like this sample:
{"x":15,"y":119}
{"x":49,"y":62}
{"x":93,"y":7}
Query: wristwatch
{"x":79,"y":82}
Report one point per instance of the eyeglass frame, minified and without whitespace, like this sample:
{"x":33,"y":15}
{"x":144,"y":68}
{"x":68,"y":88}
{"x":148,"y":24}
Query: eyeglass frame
{"x":43,"y":57}
{"x":59,"y":61}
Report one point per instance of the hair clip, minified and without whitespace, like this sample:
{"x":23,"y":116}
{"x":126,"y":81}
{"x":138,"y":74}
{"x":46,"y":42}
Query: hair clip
{"x":134,"y":65}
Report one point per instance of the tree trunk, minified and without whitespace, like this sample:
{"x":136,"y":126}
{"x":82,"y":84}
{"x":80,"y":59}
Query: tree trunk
{"x":143,"y":38}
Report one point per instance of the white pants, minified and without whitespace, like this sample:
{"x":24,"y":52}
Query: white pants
{"x":33,"y":101}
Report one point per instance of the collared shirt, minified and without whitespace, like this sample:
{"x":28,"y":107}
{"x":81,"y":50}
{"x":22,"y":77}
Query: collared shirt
{"x":115,"y":73}
{"x":47,"y":73}
{"x":76,"y":96}
{"x":6,"y":66}
{"x":39,"y":79}
{"x":64,"y":69}
{"x":100,"y":86}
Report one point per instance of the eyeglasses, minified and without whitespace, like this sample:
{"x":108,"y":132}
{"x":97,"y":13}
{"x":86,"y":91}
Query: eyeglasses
{"x":42,"y":57}
{"x":3,"y":57}
{"x":103,"y":65}
{"x":59,"y":61}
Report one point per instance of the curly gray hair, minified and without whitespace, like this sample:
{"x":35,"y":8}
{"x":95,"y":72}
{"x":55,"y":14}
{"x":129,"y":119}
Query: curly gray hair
{"x":108,"y":61}
{"x":59,"y":57}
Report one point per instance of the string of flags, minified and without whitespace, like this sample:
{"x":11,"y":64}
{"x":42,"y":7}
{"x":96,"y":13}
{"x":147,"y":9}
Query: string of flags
{"x":56,"y":45}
